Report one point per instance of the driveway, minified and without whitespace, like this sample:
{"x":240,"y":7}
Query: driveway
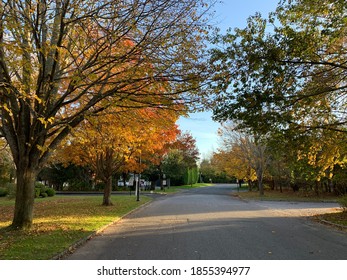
{"x":211,"y":224}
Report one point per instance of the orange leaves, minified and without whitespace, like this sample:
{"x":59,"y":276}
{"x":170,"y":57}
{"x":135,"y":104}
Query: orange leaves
{"x":126,"y":135}
{"x":151,"y":132}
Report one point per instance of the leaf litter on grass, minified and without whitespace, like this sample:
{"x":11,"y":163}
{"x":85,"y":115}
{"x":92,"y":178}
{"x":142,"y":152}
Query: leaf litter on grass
{"x":58,"y":223}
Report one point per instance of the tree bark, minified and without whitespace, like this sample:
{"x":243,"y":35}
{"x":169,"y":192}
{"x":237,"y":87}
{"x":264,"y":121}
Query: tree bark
{"x":250,"y":185}
{"x":259,"y":172}
{"x":153,"y":183}
{"x":261,"y":186}
{"x":107,"y":192}
{"x":25,"y":194}
{"x":316,"y":187}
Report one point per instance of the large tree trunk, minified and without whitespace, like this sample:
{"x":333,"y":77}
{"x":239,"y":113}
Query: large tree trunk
{"x":107,"y":192}
{"x":25,"y":194}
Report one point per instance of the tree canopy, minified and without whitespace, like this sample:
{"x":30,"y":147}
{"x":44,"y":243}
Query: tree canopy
{"x":119,"y":142}
{"x":64,"y":60}
{"x":282,"y":79}
{"x":287,"y":71}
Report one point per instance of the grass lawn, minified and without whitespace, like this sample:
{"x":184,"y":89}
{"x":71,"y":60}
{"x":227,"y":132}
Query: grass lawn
{"x":59,"y":222}
{"x":335,"y":218}
{"x":288,"y":195}
{"x":339,"y":218}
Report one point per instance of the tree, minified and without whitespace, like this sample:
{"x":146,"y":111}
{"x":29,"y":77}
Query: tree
{"x":208,"y":171}
{"x":287,"y":71}
{"x":187,"y":145}
{"x":233,"y":163}
{"x":191,"y":176}
{"x":314,"y":157}
{"x":61,"y":176}
{"x":174,"y":167}
{"x":182,"y":157}
{"x":62,"y":61}
{"x":248,"y":152}
{"x":285,"y":75}
{"x":116,"y":142}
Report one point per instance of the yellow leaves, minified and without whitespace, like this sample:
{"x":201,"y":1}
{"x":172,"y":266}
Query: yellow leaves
{"x":5,"y":107}
{"x":42,"y":149}
{"x":234,"y":163}
{"x":323,"y":152}
{"x":45,"y":121}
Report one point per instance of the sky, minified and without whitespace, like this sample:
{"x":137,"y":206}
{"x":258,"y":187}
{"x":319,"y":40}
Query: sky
{"x":229,"y":14}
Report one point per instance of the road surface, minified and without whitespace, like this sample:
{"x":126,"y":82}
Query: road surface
{"x":211,"y":224}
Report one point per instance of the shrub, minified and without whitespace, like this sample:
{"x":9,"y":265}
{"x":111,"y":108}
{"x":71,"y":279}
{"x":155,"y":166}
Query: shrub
{"x":42,"y":191}
{"x":50,"y":191}
{"x":11,"y":190}
{"x":37,"y":192}
{"x":343,"y":202}
{"x":44,"y":194}
{"x":39,"y":185}
{"x":3,"y":192}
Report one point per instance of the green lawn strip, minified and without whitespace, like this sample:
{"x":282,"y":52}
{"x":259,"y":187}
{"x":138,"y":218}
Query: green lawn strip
{"x":59,"y":222}
{"x":339,"y":218}
{"x":287,"y":195}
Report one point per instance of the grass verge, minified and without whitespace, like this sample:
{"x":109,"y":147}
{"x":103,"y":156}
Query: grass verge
{"x":287,"y":195}
{"x":335,"y":219}
{"x":338,"y":219}
{"x":59,"y":222}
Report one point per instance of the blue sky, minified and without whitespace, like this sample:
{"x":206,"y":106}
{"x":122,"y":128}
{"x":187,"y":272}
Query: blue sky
{"x":229,"y":14}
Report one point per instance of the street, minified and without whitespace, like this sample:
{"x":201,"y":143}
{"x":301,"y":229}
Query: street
{"x":211,"y":224}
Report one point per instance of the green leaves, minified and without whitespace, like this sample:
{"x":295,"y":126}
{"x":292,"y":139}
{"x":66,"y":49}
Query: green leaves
{"x":269,"y":74}
{"x":284,"y":78}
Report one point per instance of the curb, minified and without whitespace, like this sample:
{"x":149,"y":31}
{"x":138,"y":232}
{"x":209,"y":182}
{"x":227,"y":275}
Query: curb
{"x":83,"y":240}
{"x":341,"y":227}
{"x":315,"y":218}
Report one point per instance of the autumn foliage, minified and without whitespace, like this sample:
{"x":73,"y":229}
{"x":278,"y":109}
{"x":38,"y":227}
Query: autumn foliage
{"x":119,"y":142}
{"x":64,"y":62}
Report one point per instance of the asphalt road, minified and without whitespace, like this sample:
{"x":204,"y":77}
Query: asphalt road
{"x":210,"y":224}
